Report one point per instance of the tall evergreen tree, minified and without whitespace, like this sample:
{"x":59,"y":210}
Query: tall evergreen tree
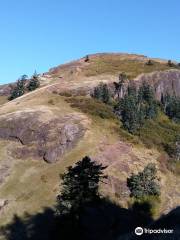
{"x":19,"y":89}
{"x":79,"y":186}
{"x":147,"y":98}
{"x":34,"y":82}
{"x":129,"y":111}
{"x":171,"y":106}
{"x":136,"y":106}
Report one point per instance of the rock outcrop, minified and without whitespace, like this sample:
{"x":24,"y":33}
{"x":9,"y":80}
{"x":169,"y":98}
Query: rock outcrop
{"x":162,"y":81}
{"x":39,"y":137}
{"x":6,"y":89}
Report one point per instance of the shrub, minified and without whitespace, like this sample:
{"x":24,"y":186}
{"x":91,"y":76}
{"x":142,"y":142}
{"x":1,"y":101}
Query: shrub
{"x":51,"y":102}
{"x":158,"y":132}
{"x":144,"y":183}
{"x":173,"y":149}
{"x":92,"y":106}
{"x":147,"y":206}
{"x":86,"y":58}
{"x":65,"y":94}
{"x":149,"y":62}
{"x":170,"y":63}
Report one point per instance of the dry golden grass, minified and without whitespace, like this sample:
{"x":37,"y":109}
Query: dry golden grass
{"x":25,"y":188}
{"x":115,"y":64}
{"x":3,"y":100}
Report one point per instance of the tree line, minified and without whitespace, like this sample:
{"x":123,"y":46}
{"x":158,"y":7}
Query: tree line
{"x":134,"y":107}
{"x":137,"y":104}
{"x":23,"y":85}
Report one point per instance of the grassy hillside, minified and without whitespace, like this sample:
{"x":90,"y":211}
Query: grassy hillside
{"x":159,"y":132}
{"x":32,"y":184}
{"x":113,"y":64}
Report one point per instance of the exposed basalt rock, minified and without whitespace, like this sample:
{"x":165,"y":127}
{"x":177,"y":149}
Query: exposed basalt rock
{"x":162,"y":81}
{"x":6,"y":89}
{"x":47,"y":140}
{"x":121,"y":159}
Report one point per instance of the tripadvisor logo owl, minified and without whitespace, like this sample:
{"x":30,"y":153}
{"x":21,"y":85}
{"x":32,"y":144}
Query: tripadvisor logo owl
{"x":139,"y":231}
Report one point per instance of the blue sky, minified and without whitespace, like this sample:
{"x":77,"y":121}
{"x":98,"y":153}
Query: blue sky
{"x":39,"y":34}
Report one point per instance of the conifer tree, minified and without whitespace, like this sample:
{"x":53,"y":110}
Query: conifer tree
{"x":136,"y":106}
{"x":172,"y":108}
{"x":19,"y":89}
{"x":129,"y":110}
{"x":34,"y":82}
{"x":79,"y":186}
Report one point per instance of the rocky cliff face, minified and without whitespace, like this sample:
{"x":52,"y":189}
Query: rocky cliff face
{"x":163,"y":82}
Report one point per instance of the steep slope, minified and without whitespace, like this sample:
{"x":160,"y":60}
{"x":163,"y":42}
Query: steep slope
{"x":44,"y":125}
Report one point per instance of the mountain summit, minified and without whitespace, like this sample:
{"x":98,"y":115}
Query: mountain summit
{"x":46,"y":130}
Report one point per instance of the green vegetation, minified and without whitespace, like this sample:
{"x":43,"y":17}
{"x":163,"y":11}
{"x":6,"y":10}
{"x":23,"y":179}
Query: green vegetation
{"x":147,"y":205}
{"x":34,"y":82}
{"x":158,"y":132}
{"x":149,"y":62}
{"x":22,"y":86}
{"x":173,"y":148}
{"x":79,"y":186}
{"x":127,"y":110}
{"x":101,"y":93}
{"x":170,"y":63}
{"x":140,"y":114}
{"x":144,"y":183}
{"x":136,"y":106}
{"x":19,"y":90}
{"x":171,"y":106}
{"x":92,"y":107}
